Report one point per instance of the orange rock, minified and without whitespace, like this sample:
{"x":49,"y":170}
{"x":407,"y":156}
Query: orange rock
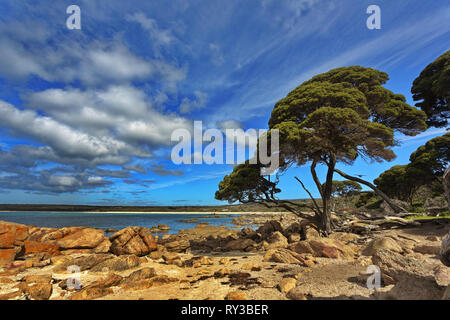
{"x":132,"y":240}
{"x":37,"y":247}
{"x":6,"y":256}
{"x":20,"y":231}
{"x":86,"y":238}
{"x":7,"y":240}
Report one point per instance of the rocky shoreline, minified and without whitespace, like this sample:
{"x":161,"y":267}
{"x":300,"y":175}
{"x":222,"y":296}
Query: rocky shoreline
{"x":276,"y":260}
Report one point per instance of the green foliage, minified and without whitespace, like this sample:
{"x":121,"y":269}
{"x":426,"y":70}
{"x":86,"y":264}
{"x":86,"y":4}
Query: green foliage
{"x":365,"y":197}
{"x":345,"y":112}
{"x":344,"y":188}
{"x":334,"y":117}
{"x":245,"y":184}
{"x":432,"y":89}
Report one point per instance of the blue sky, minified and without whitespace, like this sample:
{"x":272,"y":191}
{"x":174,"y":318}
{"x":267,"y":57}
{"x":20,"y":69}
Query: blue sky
{"x":86,"y":115}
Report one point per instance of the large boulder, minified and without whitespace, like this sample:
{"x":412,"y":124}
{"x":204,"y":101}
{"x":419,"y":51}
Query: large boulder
{"x":269,"y":227}
{"x":396,"y":267}
{"x":177,"y":245}
{"x":6,"y":256}
{"x":39,"y":247}
{"x":383,"y":243}
{"x":240,"y":245}
{"x":325,"y":247}
{"x":133,"y":240}
{"x":277,"y":240}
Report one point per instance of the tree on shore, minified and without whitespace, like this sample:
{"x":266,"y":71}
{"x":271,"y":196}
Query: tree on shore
{"x":427,"y":166}
{"x":333,"y":118}
{"x":432,"y":89}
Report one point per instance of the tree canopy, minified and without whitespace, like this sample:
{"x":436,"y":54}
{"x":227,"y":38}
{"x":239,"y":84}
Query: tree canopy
{"x":432,"y":89}
{"x":426,"y":167}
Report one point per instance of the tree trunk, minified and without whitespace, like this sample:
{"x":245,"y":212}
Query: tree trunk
{"x":394,"y":207}
{"x":326,"y":197}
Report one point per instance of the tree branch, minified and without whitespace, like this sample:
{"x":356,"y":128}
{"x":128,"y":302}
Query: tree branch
{"x":394,"y":207}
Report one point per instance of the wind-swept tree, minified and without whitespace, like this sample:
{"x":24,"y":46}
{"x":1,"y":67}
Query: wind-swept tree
{"x":336,"y":117}
{"x":432,"y":89}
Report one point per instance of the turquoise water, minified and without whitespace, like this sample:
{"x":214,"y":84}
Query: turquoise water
{"x":113,"y":220}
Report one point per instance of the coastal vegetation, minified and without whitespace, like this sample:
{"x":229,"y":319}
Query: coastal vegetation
{"x":345,"y":114}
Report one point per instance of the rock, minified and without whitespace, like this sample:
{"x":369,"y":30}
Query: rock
{"x":295,"y":237}
{"x":427,"y":249}
{"x":239,"y":245}
{"x":177,"y":245}
{"x":270,"y":226}
{"x":251,"y":267}
{"x":11,"y":295}
{"x":6,"y":256}
{"x":4,"y":280}
{"x":103,"y":247}
{"x":39,"y":247}
{"x":222,"y":272}
{"x":7,"y":240}
{"x":302,"y":247}
{"x":330,"y":248}
{"x":294,"y":228}
{"x":147,"y":283}
{"x":156,"y":255}
{"x":172,"y":258}
{"x":277,"y":240}
{"x":296,"y":294}
{"x":139,"y":275}
{"x":287,"y":256}
{"x":344,"y":237}
{"x":432,"y":238}
{"x":442,"y":276}
{"x":324,"y":247}
{"x":133,"y":240}
{"x":45,"y":278}
{"x":384,"y":243}
{"x":119,"y":263}
{"x":91,"y":293}
{"x":224,"y":261}
{"x":415,"y":289}
{"x":84,"y":262}
{"x":98,"y":288}
{"x":163,"y":227}
{"x":287,"y":284}
{"x":50,"y":235}
{"x":397,"y":267}
{"x":86,"y":238}
{"x":445,"y":246}
{"x":236,"y":295}
{"x":310,"y":233}
{"x":205,"y":261}
{"x":39,"y":291}
{"x":19,"y":231}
